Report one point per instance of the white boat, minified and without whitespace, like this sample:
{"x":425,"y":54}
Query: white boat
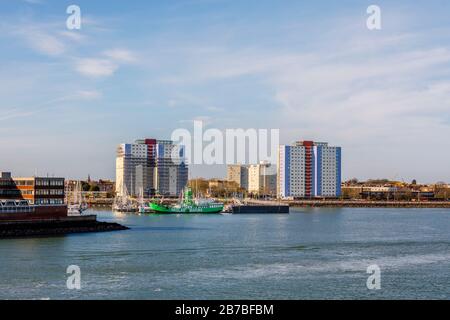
{"x":123,"y":202}
{"x":75,"y":209}
{"x":77,"y":205}
{"x":142,"y":208}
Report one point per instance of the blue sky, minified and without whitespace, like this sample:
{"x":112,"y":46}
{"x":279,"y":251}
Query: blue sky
{"x":145,"y":68}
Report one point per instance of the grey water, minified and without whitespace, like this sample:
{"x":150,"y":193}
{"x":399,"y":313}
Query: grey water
{"x":308,"y":254}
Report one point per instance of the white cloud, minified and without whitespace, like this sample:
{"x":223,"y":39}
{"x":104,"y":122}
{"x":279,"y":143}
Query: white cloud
{"x":206,"y":120}
{"x":34,"y":1}
{"x":50,"y":39}
{"x":121,"y":55}
{"x":73,"y":36}
{"x":15,"y":113}
{"x":105,"y":66}
{"x":382,"y":110}
{"x":382,"y":97}
{"x":173,"y":103}
{"x":31,"y":110}
{"x":93,"y":67}
{"x":89,"y":94}
{"x":345,"y":94}
{"x":43,"y":42}
{"x":214,"y":109}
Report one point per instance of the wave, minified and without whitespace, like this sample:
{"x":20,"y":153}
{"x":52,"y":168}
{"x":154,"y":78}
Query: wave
{"x":356,"y":266}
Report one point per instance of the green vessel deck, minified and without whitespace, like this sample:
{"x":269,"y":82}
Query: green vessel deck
{"x":187,"y":205}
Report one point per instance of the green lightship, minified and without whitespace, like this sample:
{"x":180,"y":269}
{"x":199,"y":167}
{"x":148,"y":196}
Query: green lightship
{"x":188,"y":205}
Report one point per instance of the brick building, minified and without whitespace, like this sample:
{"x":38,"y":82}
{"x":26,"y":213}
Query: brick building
{"x":36,"y":190}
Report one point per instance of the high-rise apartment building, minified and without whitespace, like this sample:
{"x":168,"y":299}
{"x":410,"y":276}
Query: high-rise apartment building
{"x":133,"y":172}
{"x":309,"y":169}
{"x":238,"y":173}
{"x":149,"y":166}
{"x":171,"y":171}
{"x":258,"y":179}
{"x":262,"y":179}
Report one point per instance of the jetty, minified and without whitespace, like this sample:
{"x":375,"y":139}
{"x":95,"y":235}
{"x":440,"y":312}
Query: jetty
{"x":55,"y":226}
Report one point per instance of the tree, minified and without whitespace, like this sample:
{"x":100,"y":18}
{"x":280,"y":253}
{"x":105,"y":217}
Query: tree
{"x":94,"y":188}
{"x":441,"y":192}
{"x":85,"y":186}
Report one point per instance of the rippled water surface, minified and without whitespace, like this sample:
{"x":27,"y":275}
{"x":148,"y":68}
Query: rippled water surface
{"x":309,"y":254}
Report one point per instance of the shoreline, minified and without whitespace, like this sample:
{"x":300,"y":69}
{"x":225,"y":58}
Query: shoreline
{"x":333,"y":203}
{"x":354,"y":204}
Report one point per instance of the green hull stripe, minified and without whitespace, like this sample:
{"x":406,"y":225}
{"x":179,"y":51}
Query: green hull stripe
{"x":191,"y":209}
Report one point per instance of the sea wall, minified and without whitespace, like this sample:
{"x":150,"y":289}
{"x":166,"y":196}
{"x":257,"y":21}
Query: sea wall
{"x":53,"y":227}
{"x":357,"y":204}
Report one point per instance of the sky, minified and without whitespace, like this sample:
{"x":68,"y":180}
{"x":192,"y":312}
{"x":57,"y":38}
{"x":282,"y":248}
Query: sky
{"x":140,"y":69}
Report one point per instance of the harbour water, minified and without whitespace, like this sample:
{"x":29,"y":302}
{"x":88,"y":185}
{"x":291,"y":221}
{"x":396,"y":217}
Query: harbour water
{"x":310,"y":254}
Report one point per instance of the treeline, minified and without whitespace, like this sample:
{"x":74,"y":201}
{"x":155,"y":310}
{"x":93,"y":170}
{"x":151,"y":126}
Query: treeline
{"x":216,"y":188}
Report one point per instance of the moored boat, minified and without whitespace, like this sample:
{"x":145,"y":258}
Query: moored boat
{"x":123,"y":201}
{"x":77,"y":205}
{"x":188,"y":205}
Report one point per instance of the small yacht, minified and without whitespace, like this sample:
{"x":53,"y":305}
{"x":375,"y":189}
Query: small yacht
{"x":77,"y":205}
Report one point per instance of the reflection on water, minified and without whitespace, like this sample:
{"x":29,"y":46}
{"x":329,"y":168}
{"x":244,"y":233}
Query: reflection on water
{"x":311,"y":253}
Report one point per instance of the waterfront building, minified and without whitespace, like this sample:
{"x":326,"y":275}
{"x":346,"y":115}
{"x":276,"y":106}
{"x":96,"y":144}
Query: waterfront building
{"x":36,"y":190}
{"x":239,"y":174}
{"x":309,"y":169}
{"x":262,"y":179}
{"x":132,"y":169}
{"x":107,"y":186}
{"x":149,"y":166}
{"x":171,"y":171}
{"x":89,"y":190}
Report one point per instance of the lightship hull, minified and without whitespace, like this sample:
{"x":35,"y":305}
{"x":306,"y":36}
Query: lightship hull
{"x":191,"y":209}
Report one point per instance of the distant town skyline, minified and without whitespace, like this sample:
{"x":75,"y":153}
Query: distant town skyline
{"x":311,"y":69}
